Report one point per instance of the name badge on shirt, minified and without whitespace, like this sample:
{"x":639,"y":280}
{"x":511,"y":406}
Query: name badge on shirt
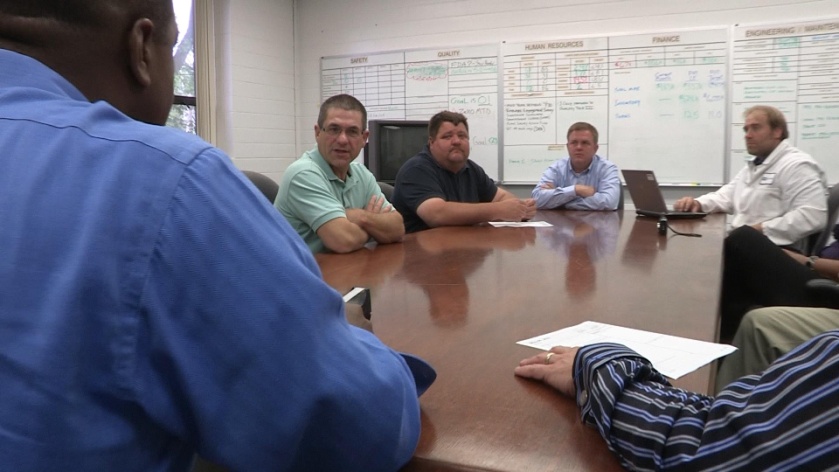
{"x":767,"y":179}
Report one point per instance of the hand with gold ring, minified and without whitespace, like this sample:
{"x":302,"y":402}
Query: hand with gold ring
{"x":554,"y":368}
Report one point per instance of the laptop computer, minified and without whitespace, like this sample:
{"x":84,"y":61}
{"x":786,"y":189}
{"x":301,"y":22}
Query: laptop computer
{"x":646,"y":195}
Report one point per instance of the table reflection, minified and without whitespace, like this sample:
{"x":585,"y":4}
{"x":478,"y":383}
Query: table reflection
{"x":368,"y":267}
{"x":594,"y":231}
{"x":444,"y":259}
{"x":643,"y":245}
{"x":584,"y":238}
{"x":461,"y":297}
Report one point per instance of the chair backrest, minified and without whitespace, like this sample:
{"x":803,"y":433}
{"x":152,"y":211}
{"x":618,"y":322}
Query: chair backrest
{"x":265,"y":184}
{"x":387,"y":189}
{"x":620,"y":200}
{"x":832,"y":212}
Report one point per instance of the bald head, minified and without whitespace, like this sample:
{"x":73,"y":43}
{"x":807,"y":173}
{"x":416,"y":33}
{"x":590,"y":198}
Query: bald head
{"x":119,"y":51}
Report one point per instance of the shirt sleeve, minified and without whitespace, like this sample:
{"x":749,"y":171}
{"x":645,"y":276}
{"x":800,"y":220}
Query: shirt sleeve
{"x":368,"y":180}
{"x":804,"y":196}
{"x":417,"y":185}
{"x":722,"y":201}
{"x":309,"y":199}
{"x":783,"y":416}
{"x":549,"y":198}
{"x":486,"y":186}
{"x":244,"y":351}
{"x":608,"y":190}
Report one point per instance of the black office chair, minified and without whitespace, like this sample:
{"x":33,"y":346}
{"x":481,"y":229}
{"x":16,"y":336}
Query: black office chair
{"x":387,"y":189}
{"x":825,"y":290}
{"x":265,"y":184}
{"x":819,"y":240}
{"x":620,"y":200}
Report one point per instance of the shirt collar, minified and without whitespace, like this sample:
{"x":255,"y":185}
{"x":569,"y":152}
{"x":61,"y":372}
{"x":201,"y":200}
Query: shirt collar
{"x":316,"y":156}
{"x":19,"y":70}
{"x":754,"y":160}
{"x":587,"y":169}
{"x":772,"y":155}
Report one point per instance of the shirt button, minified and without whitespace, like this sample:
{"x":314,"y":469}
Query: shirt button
{"x":582,"y":398}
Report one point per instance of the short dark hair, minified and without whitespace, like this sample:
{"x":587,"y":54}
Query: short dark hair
{"x":87,"y":13}
{"x":445,"y":117}
{"x":773,"y":115}
{"x":582,"y":126}
{"x":72,"y":12}
{"x":344,"y":102}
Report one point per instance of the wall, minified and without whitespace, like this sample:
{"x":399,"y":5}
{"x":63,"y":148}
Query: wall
{"x":329,"y":28}
{"x":257,"y":84}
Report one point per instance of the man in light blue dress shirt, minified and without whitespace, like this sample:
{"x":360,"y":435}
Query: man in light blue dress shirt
{"x":581,"y":181}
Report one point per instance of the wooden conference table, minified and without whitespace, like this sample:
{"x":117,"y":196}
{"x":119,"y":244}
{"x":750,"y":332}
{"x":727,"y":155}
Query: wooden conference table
{"x":460,"y":297}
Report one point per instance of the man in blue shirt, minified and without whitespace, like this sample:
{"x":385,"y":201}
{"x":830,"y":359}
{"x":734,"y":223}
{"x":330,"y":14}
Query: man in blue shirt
{"x":581,"y":181}
{"x":153,"y":304}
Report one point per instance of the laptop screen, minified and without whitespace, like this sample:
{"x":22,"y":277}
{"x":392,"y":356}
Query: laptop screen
{"x":644,"y":190}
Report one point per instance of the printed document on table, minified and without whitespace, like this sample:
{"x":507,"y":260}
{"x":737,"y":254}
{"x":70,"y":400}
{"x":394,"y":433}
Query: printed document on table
{"x":673,"y":356}
{"x":520,"y":224}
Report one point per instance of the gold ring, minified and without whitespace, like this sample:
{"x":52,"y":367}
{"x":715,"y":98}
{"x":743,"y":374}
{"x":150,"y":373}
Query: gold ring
{"x":548,"y":358}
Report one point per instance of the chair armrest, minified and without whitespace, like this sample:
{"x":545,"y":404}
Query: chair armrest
{"x":825,"y":290}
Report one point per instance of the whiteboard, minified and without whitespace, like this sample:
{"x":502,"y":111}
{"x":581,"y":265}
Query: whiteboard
{"x":794,"y":67}
{"x":671,"y":101}
{"x":547,"y":87}
{"x":415,"y":85}
{"x":658,"y":101}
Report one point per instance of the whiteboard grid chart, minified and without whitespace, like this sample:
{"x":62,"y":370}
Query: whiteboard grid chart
{"x":415,"y":85}
{"x":657,"y":100}
{"x":795,"y":68}
{"x":671,"y":102}
{"x":377,"y":81}
{"x":545,"y":91}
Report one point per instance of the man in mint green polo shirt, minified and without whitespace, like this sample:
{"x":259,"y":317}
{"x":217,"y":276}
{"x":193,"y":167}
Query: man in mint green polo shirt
{"x":332,"y":202}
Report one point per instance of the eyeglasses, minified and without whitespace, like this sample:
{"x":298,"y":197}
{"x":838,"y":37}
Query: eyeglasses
{"x":335,"y":131}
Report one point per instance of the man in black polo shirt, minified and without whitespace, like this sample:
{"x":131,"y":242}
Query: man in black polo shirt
{"x":440,"y":186}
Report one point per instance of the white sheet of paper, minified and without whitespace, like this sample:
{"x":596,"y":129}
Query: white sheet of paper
{"x":520,"y":224}
{"x":673,"y":356}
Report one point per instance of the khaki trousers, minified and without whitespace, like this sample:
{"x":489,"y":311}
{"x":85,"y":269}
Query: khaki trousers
{"x":766,"y":334}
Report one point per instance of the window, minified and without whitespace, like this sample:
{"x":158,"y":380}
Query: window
{"x":182,"y":115}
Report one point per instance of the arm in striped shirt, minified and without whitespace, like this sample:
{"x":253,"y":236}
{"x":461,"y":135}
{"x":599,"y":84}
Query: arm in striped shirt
{"x":783,"y":419}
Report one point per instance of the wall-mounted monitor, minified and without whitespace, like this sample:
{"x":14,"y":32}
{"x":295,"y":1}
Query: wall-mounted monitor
{"x":391,"y":143}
